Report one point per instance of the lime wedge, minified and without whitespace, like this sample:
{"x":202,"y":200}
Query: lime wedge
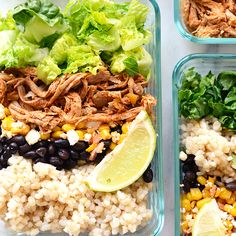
{"x":128,"y":161}
{"x":208,"y":221}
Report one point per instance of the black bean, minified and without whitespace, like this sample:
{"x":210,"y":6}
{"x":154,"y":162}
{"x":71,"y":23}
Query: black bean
{"x":6,"y":154}
{"x":107,"y":143}
{"x":99,"y":157}
{"x":62,"y":143}
{"x":40,"y":160}
{"x":190,"y":159}
{"x":19,"y":139}
{"x":80,"y":146}
{"x":3,"y":162}
{"x":190,"y":167}
{"x":186,"y":186}
{"x":190,"y":176}
{"x":3,"y":140}
{"x":51,"y":150}
{"x":63,"y":154}
{"x":69,"y":164}
{"x":41,"y":151}
{"x":13,"y":148}
{"x":24,"y":148}
{"x":148,"y":176}
{"x":231,"y":186}
{"x":0,"y":131}
{"x":31,"y":155}
{"x":117,"y":129}
{"x":55,"y":161}
{"x":84,"y":156}
{"x":42,"y":143}
{"x":5,"y":147}
{"x":74,"y":155}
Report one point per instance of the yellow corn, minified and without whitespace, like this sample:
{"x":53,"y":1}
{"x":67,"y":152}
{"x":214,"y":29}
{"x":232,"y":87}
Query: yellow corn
{"x":189,"y":196}
{"x":112,"y":146}
{"x":105,"y":134}
{"x":91,"y":147}
{"x":206,"y":193}
{"x":228,"y":225}
{"x":44,"y":136}
{"x":81,"y":125}
{"x":80,"y":133}
{"x":202,"y":202}
{"x":184,"y":225}
{"x":122,"y":137}
{"x":196,"y":193}
{"x":192,"y":204}
{"x":211,"y":180}
{"x":23,"y":131}
{"x":104,"y":126}
{"x":227,"y":208}
{"x":231,"y":200}
{"x":7,"y":112}
{"x":201,"y":180}
{"x":57,"y":134}
{"x":68,"y":127}
{"x":233,"y":212}
{"x":133,"y":98}
{"x":186,"y":204}
{"x":217,"y":193}
{"x":125,"y":127}
{"x":224,"y":193}
{"x":7,"y":122}
{"x":57,"y":128}
{"x":234,"y":205}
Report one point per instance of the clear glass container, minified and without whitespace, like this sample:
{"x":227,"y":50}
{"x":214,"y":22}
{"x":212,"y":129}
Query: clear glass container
{"x":203,"y":64}
{"x":179,"y":22}
{"x":156,"y":196}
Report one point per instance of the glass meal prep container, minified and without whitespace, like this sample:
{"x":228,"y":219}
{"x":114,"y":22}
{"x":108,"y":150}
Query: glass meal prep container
{"x":203,"y":63}
{"x":179,"y":22}
{"x":156,"y":196}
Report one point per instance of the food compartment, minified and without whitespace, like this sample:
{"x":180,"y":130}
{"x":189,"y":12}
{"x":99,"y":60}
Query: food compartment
{"x":204,"y":146}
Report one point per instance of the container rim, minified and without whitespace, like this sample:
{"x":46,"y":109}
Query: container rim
{"x":185,"y":34}
{"x":175,"y":81}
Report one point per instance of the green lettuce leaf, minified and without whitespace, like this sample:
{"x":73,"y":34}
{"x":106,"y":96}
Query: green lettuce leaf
{"x":39,"y":19}
{"x":7,"y":23}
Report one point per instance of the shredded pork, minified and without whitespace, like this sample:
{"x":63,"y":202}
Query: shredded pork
{"x":210,"y":18}
{"x":73,"y":99}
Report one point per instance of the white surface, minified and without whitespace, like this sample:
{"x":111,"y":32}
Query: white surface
{"x":174,"y":47}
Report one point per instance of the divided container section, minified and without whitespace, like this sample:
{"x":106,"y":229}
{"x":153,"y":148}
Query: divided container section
{"x":180,"y":24}
{"x":203,"y":64}
{"x":156,"y":196}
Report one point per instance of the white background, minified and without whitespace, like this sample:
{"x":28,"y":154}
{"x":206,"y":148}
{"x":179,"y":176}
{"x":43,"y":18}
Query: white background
{"x":174,"y":47}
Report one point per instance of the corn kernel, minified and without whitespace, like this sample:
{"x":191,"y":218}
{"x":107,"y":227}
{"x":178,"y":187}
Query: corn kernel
{"x":133,"y":98}
{"x":217,"y":193}
{"x":105,"y":134}
{"x":44,"y":136}
{"x":231,"y":200}
{"x":57,"y":128}
{"x":233,"y":212}
{"x":7,"y":112}
{"x":228,"y":225}
{"x":80,"y":133}
{"x":7,"y":122}
{"x":193,"y":203}
{"x":91,"y":147}
{"x":234,"y":205}
{"x":112,"y":146}
{"x":224,"y":193}
{"x":57,"y":134}
{"x":184,"y":225}
{"x":104,"y":126}
{"x":68,"y":127}
{"x":202,"y":202}
{"x":196,"y":193}
{"x":189,"y":196}
{"x":122,"y":137}
{"x":186,"y":204}
{"x":211,"y":180}
{"x":23,"y":131}
{"x":201,"y":180}
{"x":206,"y":193}
{"x":227,"y":208}
{"x":81,"y":125}
{"x":125,"y":127}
